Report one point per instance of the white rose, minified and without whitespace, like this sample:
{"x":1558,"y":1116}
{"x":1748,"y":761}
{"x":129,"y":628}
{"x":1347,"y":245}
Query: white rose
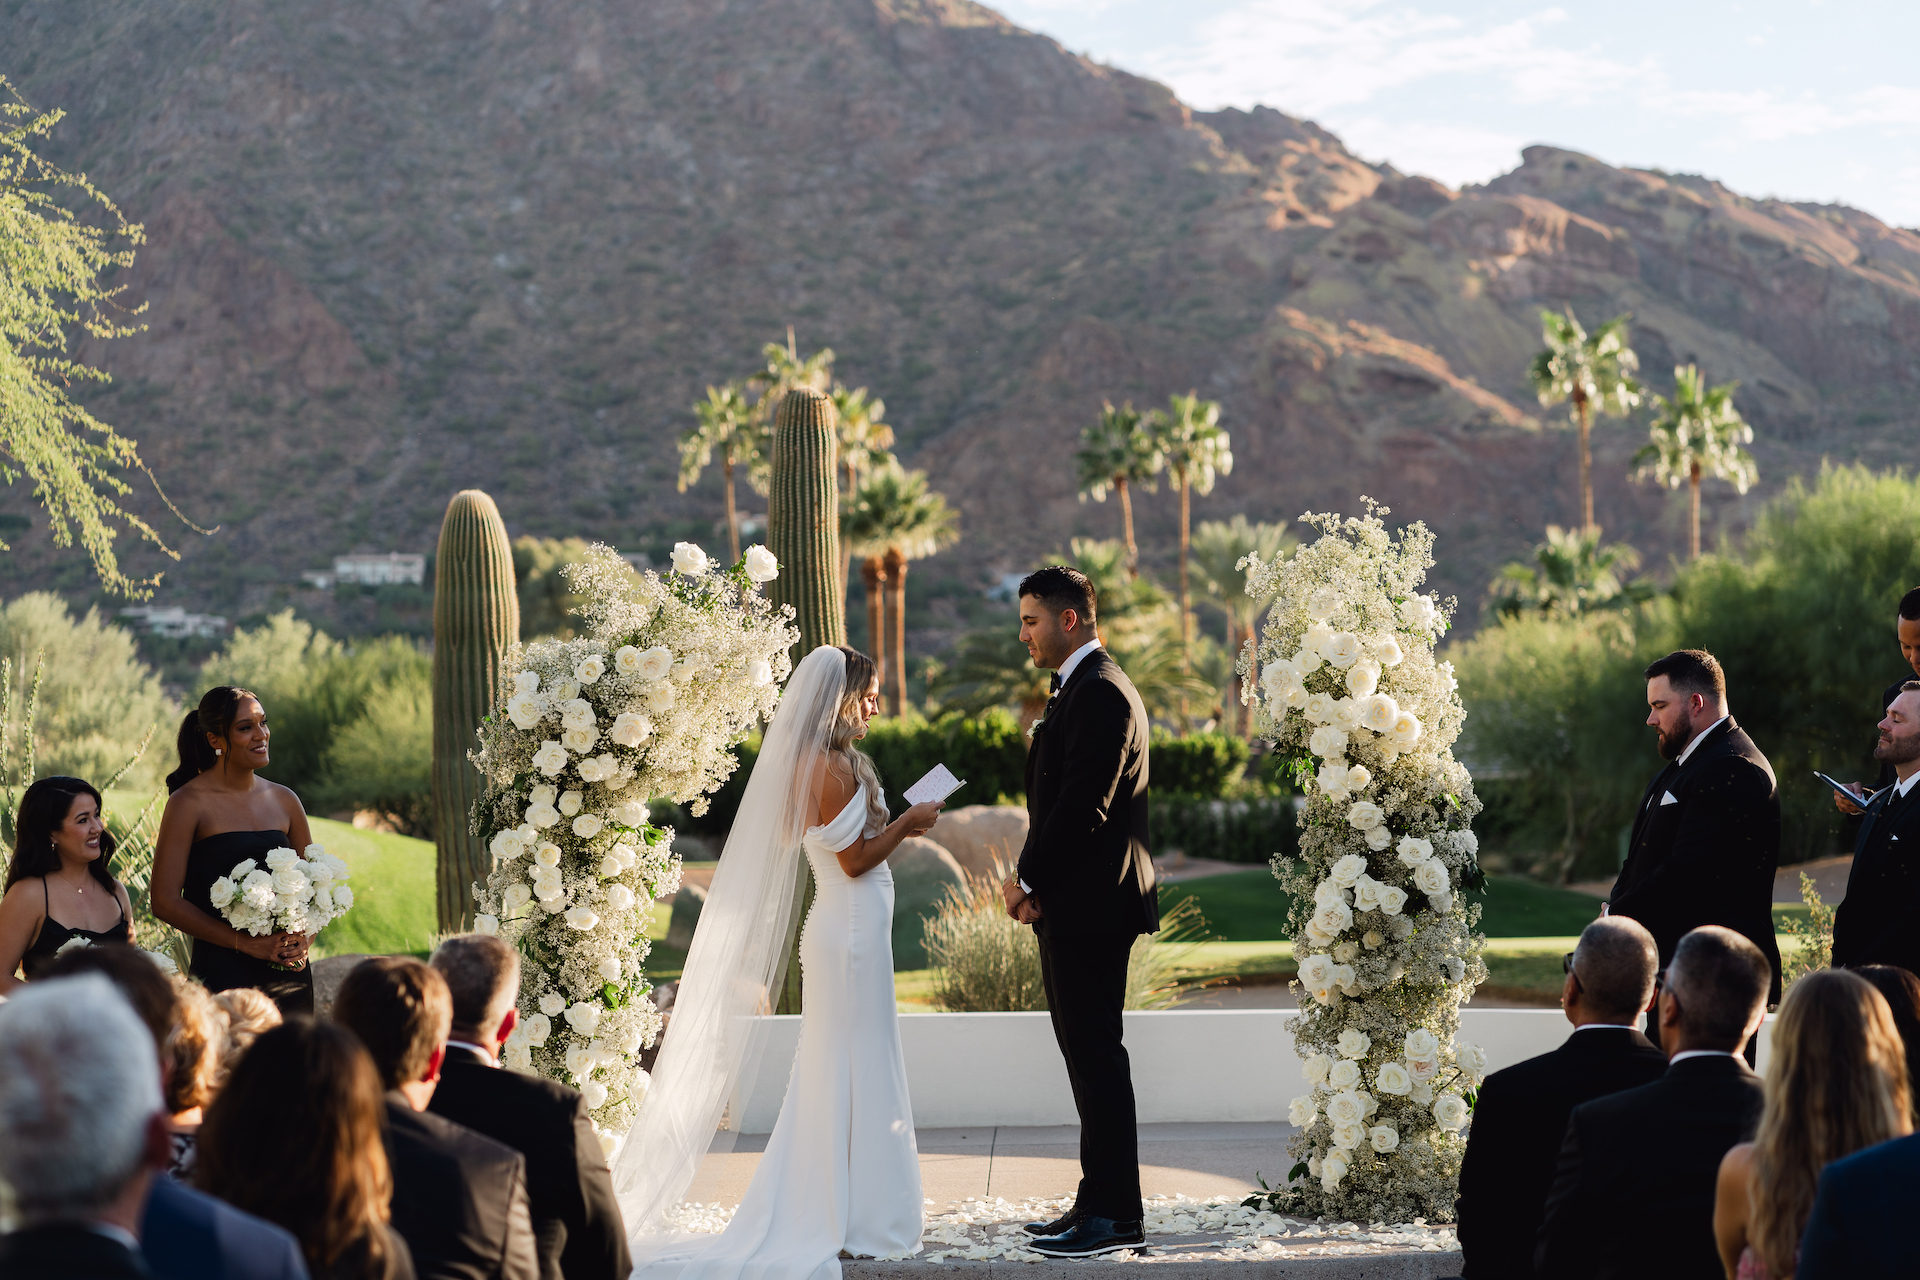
{"x":1341,"y":650}
{"x":1319,"y":708}
{"x":1278,"y":676}
{"x":1316,"y":970}
{"x":483,"y":923}
{"x":1318,"y":937}
{"x":759,"y":673}
{"x":584,"y":1017}
{"x":1405,"y":731}
{"x":596,"y":768}
{"x":507,"y":845}
{"x":1346,"y":715}
{"x":623,"y":852}
{"x":761,"y":565}
{"x":547,"y":854}
{"x":1367,"y":1100}
{"x":1354,"y":1043}
{"x":1466,"y":842}
{"x":516,"y":896}
{"x":1334,"y":918}
{"x":1423,"y":1070}
{"x":1384,"y":1137}
{"x":525,"y":710}
{"x":569,"y":802}
{"x":577,"y":713}
{"x":1379,"y":713}
{"x":1422,"y":1094}
{"x":579,"y":741}
{"x":1379,"y":838}
{"x":222,"y":891}
{"x":610,"y":867}
{"x":588,"y":825}
{"x":630,"y":813}
{"x":1358,"y":777}
{"x":1301,"y":1111}
{"x":1327,"y":742}
{"x":1315,"y":1067}
{"x":631,"y":729}
{"x":542,"y":816}
{"x":1472,"y":1059}
{"x":581,"y":918}
{"x":1441,"y":903}
{"x":1349,"y":1136}
{"x":1307,"y":659}
{"x":1316,"y":639}
{"x":631,"y":1041}
{"x":1392,"y":900}
{"x":544,"y":793}
{"x":579,"y":1062}
{"x":1345,"y":1107}
{"x":626,"y":660}
{"x":1323,"y":604}
{"x":553,"y":1004}
{"x":1346,"y":953}
{"x":1450,"y":1112}
{"x":1344,"y":1074}
{"x":1348,"y":870}
{"x":589,"y":668}
{"x":1329,"y":891}
{"x":1366,"y":892}
{"x":1393,"y":1078}
{"x":1343,"y":978}
{"x":1365,"y":815}
{"x":538,"y":1027}
{"x":292,"y":882}
{"x":1363,"y":677}
{"x":1413,"y":850}
{"x":689,"y":560}
{"x":1418,"y":613}
{"x":550,"y":759}
{"x":1431,"y":877}
{"x":1421,"y":1043}
{"x":609,"y":968}
{"x":1387,"y":650}
{"x":594,"y":1094}
{"x":1333,"y":779}
{"x":342,"y":898}
{"x":548,"y":888}
{"x":526,"y":682}
{"x":659,"y":697}
{"x":619,"y":897}
{"x":654,"y":664}
{"x":1332,"y":1169}
{"x":281,"y":859}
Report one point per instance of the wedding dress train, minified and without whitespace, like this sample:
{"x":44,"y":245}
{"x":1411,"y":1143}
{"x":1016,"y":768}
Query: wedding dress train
{"x":841,"y":1170}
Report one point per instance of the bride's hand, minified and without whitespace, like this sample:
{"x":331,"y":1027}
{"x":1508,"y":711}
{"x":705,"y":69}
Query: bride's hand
{"x":920,"y":819}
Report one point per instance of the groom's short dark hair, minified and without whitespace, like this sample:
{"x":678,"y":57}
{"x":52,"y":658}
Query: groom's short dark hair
{"x":1061,"y":588}
{"x":1692,"y":671}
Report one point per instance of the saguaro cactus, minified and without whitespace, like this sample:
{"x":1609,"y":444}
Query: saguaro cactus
{"x":803,"y":518}
{"x":476,"y":619}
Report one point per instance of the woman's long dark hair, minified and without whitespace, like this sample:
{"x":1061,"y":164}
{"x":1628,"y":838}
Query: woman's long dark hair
{"x":1902,"y":991}
{"x":215,"y":715}
{"x":294,"y":1137}
{"x":43,"y":811}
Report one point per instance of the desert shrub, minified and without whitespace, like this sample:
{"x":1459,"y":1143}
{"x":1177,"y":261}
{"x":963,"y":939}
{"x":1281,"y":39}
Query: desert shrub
{"x":383,"y":760}
{"x":1207,"y":764}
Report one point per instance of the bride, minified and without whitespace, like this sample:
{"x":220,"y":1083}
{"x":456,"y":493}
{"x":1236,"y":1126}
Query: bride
{"x":840,"y":1172}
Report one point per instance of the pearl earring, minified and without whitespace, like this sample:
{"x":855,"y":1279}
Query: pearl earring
{"x":218,"y":751}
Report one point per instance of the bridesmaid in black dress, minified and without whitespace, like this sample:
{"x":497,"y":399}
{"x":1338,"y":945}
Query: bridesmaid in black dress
{"x":220,"y":813}
{"x":58,"y":886}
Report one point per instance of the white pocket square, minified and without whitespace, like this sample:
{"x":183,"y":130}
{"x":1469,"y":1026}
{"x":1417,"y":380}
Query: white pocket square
{"x":1669,"y":798}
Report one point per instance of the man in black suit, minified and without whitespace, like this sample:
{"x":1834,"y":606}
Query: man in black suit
{"x":83,"y":1130}
{"x":1906,"y":628}
{"x":1085,"y":882}
{"x":577,"y":1227}
{"x":1632,"y":1197}
{"x":1846,"y":1236}
{"x":1521,"y":1113}
{"x":459,"y":1198}
{"x":1874,"y":924}
{"x":1707,"y":838}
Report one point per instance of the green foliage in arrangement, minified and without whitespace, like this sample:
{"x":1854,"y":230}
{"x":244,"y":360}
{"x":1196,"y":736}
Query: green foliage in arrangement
{"x":1801,"y":615}
{"x":98,"y":701}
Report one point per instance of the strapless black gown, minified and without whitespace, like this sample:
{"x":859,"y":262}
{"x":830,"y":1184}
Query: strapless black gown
{"x":222,"y":968}
{"x":54,"y":935}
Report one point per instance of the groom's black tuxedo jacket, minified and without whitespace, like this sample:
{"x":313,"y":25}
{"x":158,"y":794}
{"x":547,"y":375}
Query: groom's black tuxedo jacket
{"x":1708,"y":857}
{"x":1875,"y":921}
{"x":1514,"y":1145}
{"x":1632,"y":1198}
{"x":1086,"y":858}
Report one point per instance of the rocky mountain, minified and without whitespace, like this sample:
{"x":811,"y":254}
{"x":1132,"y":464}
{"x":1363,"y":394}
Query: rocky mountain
{"x":398,"y":247}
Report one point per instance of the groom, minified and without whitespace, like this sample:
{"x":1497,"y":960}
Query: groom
{"x":1086,"y":885}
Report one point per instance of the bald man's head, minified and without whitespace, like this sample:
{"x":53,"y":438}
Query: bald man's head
{"x":1615,"y":962}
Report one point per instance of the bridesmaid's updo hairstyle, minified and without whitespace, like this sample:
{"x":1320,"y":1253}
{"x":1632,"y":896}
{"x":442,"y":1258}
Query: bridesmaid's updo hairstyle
{"x":43,"y":811}
{"x":847,"y":723}
{"x":215,"y":715}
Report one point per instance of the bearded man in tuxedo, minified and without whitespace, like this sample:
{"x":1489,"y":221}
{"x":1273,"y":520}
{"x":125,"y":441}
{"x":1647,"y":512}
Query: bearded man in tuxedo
{"x":1086,"y":884}
{"x":1875,"y":921}
{"x":1707,"y":839}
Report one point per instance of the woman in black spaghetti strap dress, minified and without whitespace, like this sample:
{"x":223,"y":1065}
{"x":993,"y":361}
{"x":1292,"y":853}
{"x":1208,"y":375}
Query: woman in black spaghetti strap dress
{"x":219,"y":814}
{"x":58,"y":887}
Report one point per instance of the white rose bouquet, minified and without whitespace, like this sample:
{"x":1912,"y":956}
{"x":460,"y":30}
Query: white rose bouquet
{"x":670,"y":672}
{"x":1354,"y":702}
{"x":291,"y":893}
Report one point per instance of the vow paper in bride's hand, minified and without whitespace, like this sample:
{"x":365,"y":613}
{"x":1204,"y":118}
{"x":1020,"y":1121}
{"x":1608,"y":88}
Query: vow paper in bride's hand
{"x":937,"y":785}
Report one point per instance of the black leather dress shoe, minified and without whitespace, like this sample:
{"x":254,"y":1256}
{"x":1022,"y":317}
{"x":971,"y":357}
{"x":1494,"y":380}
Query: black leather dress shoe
{"x":1055,"y":1227}
{"x":1090,"y":1236}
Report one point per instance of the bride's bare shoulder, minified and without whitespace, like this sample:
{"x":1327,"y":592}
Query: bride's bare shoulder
{"x":832,"y":787}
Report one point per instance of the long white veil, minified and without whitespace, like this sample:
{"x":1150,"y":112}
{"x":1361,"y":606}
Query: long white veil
{"x":737,"y":960}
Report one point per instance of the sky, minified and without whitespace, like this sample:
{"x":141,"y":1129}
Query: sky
{"x":1799,"y":99}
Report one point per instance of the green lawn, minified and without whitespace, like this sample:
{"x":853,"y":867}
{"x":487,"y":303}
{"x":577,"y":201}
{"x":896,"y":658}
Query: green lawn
{"x":393,"y":907}
{"x":1247,"y":906}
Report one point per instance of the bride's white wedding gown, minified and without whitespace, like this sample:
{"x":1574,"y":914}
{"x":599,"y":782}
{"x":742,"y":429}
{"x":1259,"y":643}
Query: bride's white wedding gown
{"x":841,"y":1170}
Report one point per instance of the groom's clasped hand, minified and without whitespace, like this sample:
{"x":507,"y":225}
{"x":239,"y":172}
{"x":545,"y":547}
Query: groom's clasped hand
{"x":1021,"y":905}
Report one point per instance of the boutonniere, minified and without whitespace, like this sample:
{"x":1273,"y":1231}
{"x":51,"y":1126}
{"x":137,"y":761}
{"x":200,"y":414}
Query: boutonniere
{"x":1034,"y":727}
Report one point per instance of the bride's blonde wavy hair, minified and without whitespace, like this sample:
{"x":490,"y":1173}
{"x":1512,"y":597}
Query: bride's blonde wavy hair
{"x":847,"y":723}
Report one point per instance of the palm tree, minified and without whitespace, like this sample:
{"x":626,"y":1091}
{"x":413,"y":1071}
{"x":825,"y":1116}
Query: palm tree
{"x":723,"y":421}
{"x":1117,"y":452}
{"x":1573,"y":573}
{"x":992,"y":669}
{"x":1219,"y":549}
{"x":1697,"y":433}
{"x":864,"y":435}
{"x":895,"y":513}
{"x":1197,"y":450}
{"x":865,"y":527}
{"x":1591,"y":370}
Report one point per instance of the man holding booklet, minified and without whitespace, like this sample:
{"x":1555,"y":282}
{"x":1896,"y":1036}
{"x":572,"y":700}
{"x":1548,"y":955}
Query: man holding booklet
{"x":1875,"y":924}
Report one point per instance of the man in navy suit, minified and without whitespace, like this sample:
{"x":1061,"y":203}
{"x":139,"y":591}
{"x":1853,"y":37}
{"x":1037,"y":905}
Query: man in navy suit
{"x":1851,"y":1234}
{"x":1707,"y":838}
{"x":1875,"y":922}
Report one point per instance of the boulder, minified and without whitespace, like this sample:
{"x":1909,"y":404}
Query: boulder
{"x":978,"y":834}
{"x":684,"y":916}
{"x":922,"y":871}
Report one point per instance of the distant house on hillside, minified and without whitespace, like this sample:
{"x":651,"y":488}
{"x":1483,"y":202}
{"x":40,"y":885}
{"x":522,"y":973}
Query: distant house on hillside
{"x":175,"y":623}
{"x":370,"y":571}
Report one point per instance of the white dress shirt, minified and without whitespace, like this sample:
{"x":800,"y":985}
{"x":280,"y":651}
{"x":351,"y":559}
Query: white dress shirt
{"x":1696,"y":739}
{"x":1065,"y":670}
{"x":484,"y":1054}
{"x":1698,"y":1053}
{"x":1905,"y":784}
{"x":1605,"y":1026}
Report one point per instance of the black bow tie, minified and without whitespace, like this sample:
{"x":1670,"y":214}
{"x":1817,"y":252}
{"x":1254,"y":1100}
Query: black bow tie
{"x":1053,"y":684}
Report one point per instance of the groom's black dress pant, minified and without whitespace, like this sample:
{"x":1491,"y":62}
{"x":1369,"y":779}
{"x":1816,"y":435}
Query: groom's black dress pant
{"x":1085,"y":978}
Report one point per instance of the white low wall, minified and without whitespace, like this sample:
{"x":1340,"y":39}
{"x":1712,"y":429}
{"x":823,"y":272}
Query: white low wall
{"x":982,"y":1069}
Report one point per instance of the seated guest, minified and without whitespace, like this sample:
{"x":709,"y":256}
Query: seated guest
{"x":82,"y":1130}
{"x":1853,"y":1232}
{"x":1901,"y":990}
{"x":248,"y":1011}
{"x":184,"y":1234}
{"x":575,"y":1221}
{"x":459,"y":1198}
{"x":1632,"y":1196}
{"x":58,"y":889}
{"x":1522,"y":1111}
{"x":1872,"y":926}
{"x":295,"y":1138}
{"x":193,"y":1058}
{"x":1836,"y":1083}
